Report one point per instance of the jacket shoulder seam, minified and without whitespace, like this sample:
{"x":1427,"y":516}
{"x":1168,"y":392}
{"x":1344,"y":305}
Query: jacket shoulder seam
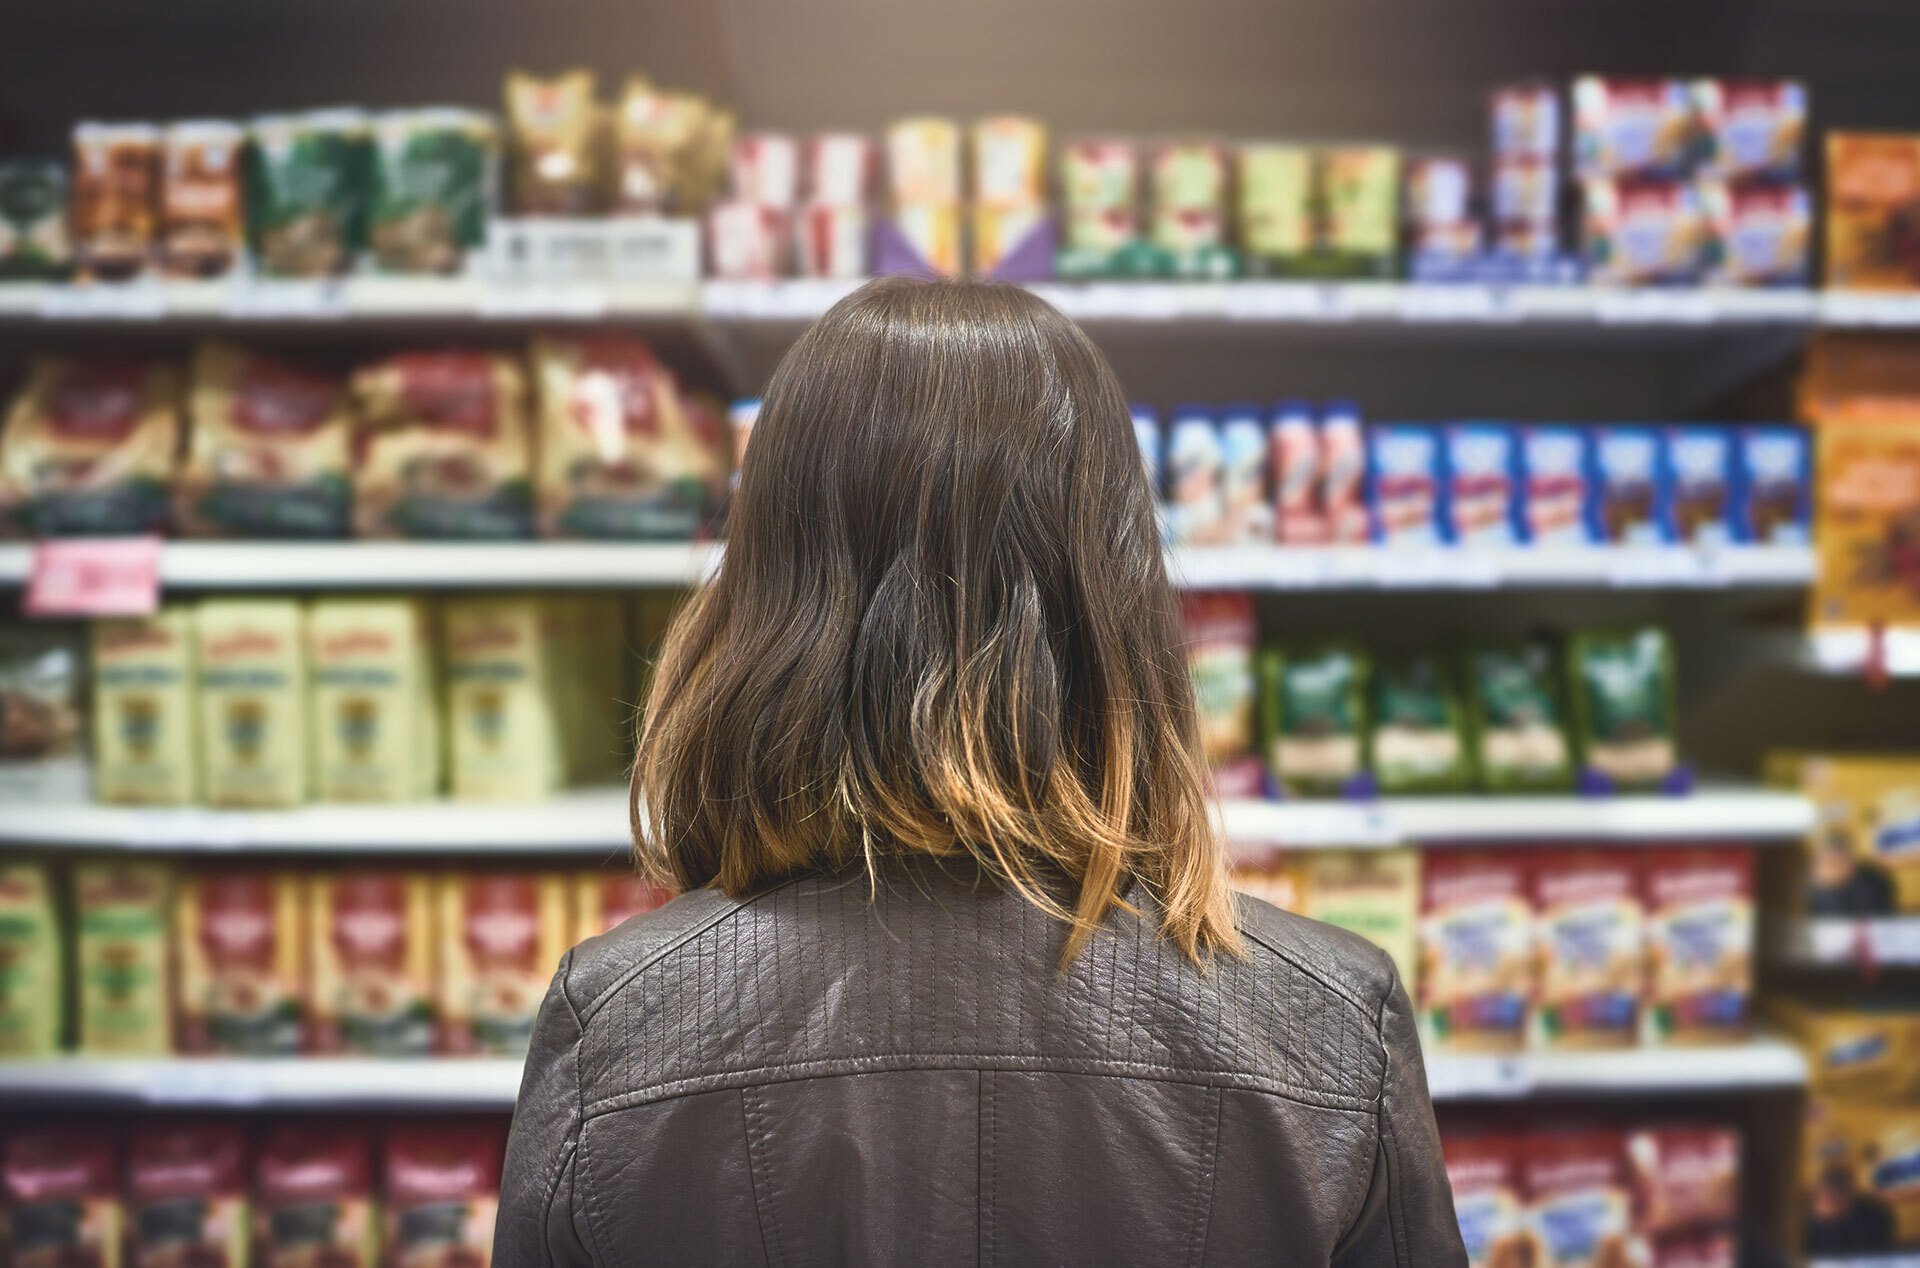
{"x":1333,"y":987}
{"x":729,"y":908}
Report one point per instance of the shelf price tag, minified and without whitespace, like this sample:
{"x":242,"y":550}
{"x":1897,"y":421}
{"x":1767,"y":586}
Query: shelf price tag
{"x":126,"y":301}
{"x":107,"y":576}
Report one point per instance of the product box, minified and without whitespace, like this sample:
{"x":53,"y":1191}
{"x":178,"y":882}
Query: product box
{"x":145,"y":724}
{"x":313,"y":1187}
{"x":1684,"y":1178}
{"x":240,"y":946}
{"x":833,"y":240}
{"x":62,"y":1183}
{"x":1100,"y":202}
{"x":1644,"y":230}
{"x":923,"y":162}
{"x":1297,"y":473}
{"x":441,"y":1182}
{"x":1476,"y":948}
{"x":1580,"y":1199}
{"x":31,"y":994}
{"x":116,"y":198}
{"x":1526,"y":119}
{"x":1343,"y":480}
{"x":1754,"y":127}
{"x":1590,"y":948}
{"x":1244,"y":452}
{"x":1219,"y":628}
{"x":1864,"y":854}
{"x":1865,"y":1050}
{"x":501,"y":938}
{"x":747,"y":240}
{"x":1313,"y":717}
{"x":1483,"y":1170}
{"x":1374,"y":893}
{"x":33,"y":219}
{"x":1196,"y":462}
{"x":1873,"y":200}
{"x":1525,"y":192}
{"x":1863,"y":532}
{"x":1634,"y":127}
{"x":1761,"y":232}
{"x":1281,"y":880}
{"x":1621,"y":697}
{"x":1700,"y":504}
{"x":1406,"y":484}
{"x":1516,"y":718}
{"x":1632,"y":486}
{"x":92,"y":447}
{"x":1360,"y":201}
{"x":253,"y":695}
{"x":187,"y":1189}
{"x":1276,"y":205}
{"x":1858,"y":1166}
{"x":1009,"y":162}
{"x":504,"y":739}
{"x":374,"y":710}
{"x":1556,"y":486}
{"x":605,"y":897}
{"x":1419,"y":741}
{"x":123,"y":959}
{"x":1700,"y":945}
{"x":1483,"y":484}
{"x":1773,"y":485}
{"x":372,"y":961}
{"x":1188,"y":216}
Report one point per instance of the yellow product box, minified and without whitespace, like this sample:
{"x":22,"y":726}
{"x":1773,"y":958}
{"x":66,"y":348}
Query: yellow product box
{"x":1863,"y":1052}
{"x":504,"y":738}
{"x":502,"y":935}
{"x":1868,"y":484}
{"x":30,"y":991}
{"x":367,"y":701}
{"x":1281,"y":881}
{"x":241,"y":942}
{"x":122,"y":958}
{"x":1863,"y":858}
{"x":1859,"y":1178}
{"x":253,"y":689}
{"x":923,"y":161}
{"x":1374,"y":893}
{"x":604,"y":897}
{"x":145,"y":748}
{"x":372,"y":961}
{"x":1009,"y":162}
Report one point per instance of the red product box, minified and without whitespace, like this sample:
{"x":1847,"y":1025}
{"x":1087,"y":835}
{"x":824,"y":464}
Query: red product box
{"x":1590,"y":949}
{"x":1580,"y":1200}
{"x":1484,"y":1173}
{"x":1684,"y":1178}
{"x":1700,"y":919}
{"x":1476,"y":949}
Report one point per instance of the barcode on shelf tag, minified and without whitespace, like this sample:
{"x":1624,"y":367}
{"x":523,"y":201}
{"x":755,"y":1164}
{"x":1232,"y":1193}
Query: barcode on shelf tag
{"x":105,"y":576}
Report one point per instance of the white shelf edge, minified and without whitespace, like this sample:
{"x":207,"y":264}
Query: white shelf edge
{"x":1763,"y":1062}
{"x":1852,"y":942}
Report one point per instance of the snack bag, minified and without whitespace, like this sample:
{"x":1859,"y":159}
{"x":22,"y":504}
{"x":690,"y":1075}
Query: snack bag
{"x":62,"y":1198}
{"x":89,"y":447}
{"x":504,"y":737}
{"x":1589,"y":949}
{"x":1580,"y":1200}
{"x":1556,"y":486}
{"x":146,"y":724}
{"x":1632,"y":486}
{"x":1483,"y":495}
{"x":1621,"y":687}
{"x":1864,"y":853}
{"x":673,"y":151}
{"x":1484,"y":1174}
{"x":502,"y":934}
{"x":1873,"y":197}
{"x":442,"y":1189}
{"x":1374,"y":893}
{"x":621,"y":453}
{"x":30,"y":971}
{"x":314,"y":1203}
{"x":1700,"y":919}
{"x":306,"y":192}
{"x":1515,"y":718}
{"x":202,"y":216}
{"x":268,"y":453}
{"x":1773,"y":486}
{"x":253,"y":698}
{"x":1313,"y":717}
{"x":187,"y":1194}
{"x":1857,"y":1194}
{"x":605,"y":898}
{"x":431,"y":188}
{"x":1476,"y":946}
{"x":1220,"y":632}
{"x":33,"y":220}
{"x":1276,"y":206}
{"x":373,"y":705}
{"x":372,"y":961}
{"x":43,"y":716}
{"x":551,"y":127}
{"x":1406,"y":484}
{"x":121,"y":958}
{"x":1419,"y":732}
{"x":241,"y":953}
{"x":116,"y":198}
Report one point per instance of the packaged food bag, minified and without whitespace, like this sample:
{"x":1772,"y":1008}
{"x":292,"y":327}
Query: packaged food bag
{"x":1476,"y":950}
{"x":1590,"y":947}
{"x":373,"y":706}
{"x":552,"y":126}
{"x":1374,"y":893}
{"x":1515,"y":717}
{"x":1700,"y":945}
{"x":269,"y":452}
{"x":504,"y":740}
{"x":187,"y":1194}
{"x":1622,"y":695}
{"x":1220,"y":632}
{"x":372,"y":961}
{"x":33,"y":220}
{"x":314,"y":1197}
{"x":241,"y":950}
{"x":116,"y":199}
{"x":146,"y":722}
{"x":433,"y":173}
{"x":30,"y":962}
{"x":441,"y":1184}
{"x":621,"y":454}
{"x":673,"y":150}
{"x":252,"y":657}
{"x":43,"y":715}
{"x":1419,"y":727}
{"x":202,"y":209}
{"x":62,"y":1197}
{"x":1313,"y":717}
{"x":90,"y":447}
{"x":502,"y":935}
{"x":122,"y":958}
{"x":605,"y":897}
{"x":307,"y":192}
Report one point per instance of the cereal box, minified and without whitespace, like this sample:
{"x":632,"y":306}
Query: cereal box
{"x":1196,"y":505}
{"x":1762,"y":233}
{"x":241,"y":952}
{"x":1276,"y":204}
{"x":1343,"y":482}
{"x":1100,"y":196}
{"x":1700,"y":909}
{"x":1406,"y":484}
{"x":1526,"y":120}
{"x":1188,"y":182}
{"x":1634,"y":126}
{"x":1374,"y":893}
{"x":1483,"y":497}
{"x":1631,"y":486}
{"x":1640,"y":231}
{"x":1864,"y":854}
{"x":187,"y":1194}
{"x":1295,"y":467}
{"x":1873,"y":200}
{"x":1755,"y":127}
{"x":1684,"y":1177}
{"x":1360,"y":201}
{"x":501,"y":937}
{"x":1313,"y":717}
{"x":442,"y":1188}
{"x":145,"y":726}
{"x":504,"y":739}
{"x":367,"y":658}
{"x":1243,"y":474}
{"x":314,"y":1198}
{"x":1865,"y":1050}
{"x":1865,"y":532}
{"x":372,"y":961}
{"x":1589,"y":950}
{"x":1773,"y":486}
{"x":30,"y":987}
{"x":923,"y":161}
{"x":1858,"y":1189}
{"x":253,"y":693}
{"x":1579,"y":1200}
{"x":122,"y":958}
{"x":604,"y":897}
{"x":1476,"y":947}
{"x":1700,"y":505}
{"x":62,"y":1198}
{"x":1484,"y":1173}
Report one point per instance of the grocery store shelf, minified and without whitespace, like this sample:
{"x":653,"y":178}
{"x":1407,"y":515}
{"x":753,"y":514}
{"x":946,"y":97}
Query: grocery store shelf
{"x":449,"y":565}
{"x":1852,"y":942}
{"x":594,"y":820}
{"x":362,"y":298}
{"x":492,"y":1083}
{"x":1707,"y":815}
{"x":1850,"y":651}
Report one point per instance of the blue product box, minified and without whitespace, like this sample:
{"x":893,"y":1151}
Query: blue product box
{"x":1196,"y":506}
{"x":1556,"y":486}
{"x":1631,"y":486}
{"x":1406,"y":484}
{"x":1700,"y":506}
{"x":1244,"y":459}
{"x":1773,"y":485}
{"x":1483,"y":484}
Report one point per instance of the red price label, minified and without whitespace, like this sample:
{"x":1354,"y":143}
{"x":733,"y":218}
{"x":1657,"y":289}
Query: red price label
{"x":84,"y":576}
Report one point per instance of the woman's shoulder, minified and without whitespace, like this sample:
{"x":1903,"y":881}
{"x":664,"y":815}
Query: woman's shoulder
{"x":1342,"y":962}
{"x":599,"y":966}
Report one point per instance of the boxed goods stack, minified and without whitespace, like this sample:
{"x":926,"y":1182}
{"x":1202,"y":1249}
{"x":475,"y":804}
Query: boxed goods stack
{"x":834,"y":226}
{"x":1100,"y":209}
{"x":923,"y":199}
{"x":1524,"y":193}
{"x":1329,"y":211}
{"x":1443,"y":238}
{"x":1189,"y":220}
{"x":750,"y":234}
{"x":1011,"y":228}
{"x":1873,"y":201}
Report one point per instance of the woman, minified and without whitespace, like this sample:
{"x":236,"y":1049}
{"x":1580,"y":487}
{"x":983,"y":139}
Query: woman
{"x":957,"y":976}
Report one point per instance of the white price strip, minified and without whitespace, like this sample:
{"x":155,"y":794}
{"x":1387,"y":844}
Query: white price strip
{"x":132,"y":301}
{"x":513,"y":303}
{"x":185,"y":1083}
{"x":1634,"y":567}
{"x":319,"y":300}
{"x":1677,"y":307}
{"x":1434,"y":569}
{"x":1452,"y":1076}
{"x":1452,"y":303}
{"x":1279,"y":301}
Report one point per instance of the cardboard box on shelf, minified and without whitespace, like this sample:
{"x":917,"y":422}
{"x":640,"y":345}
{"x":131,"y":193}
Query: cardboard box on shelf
{"x":123,"y":958}
{"x":1863,"y":858}
{"x":253,"y":702}
{"x":146,"y":720}
{"x":240,"y":944}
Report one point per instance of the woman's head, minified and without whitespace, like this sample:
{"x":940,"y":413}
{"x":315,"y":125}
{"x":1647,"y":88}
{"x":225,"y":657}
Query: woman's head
{"x":942,"y":626}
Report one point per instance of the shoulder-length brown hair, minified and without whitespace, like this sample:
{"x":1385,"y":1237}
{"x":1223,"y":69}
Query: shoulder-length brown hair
{"x":942,"y":625}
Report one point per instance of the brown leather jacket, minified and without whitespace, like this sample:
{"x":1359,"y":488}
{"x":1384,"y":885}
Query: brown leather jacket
{"x":829,"y":1075}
